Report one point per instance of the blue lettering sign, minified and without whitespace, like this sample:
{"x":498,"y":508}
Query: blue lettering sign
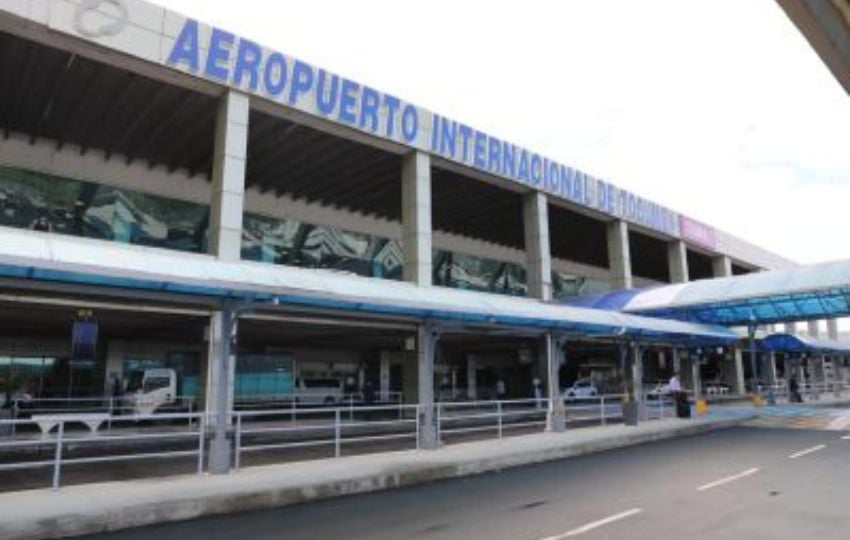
{"x":274,"y":74}
{"x":185,"y":48}
{"x":219,"y":53}
{"x":326,"y":92}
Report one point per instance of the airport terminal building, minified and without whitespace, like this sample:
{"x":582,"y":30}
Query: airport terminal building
{"x":161,"y":178}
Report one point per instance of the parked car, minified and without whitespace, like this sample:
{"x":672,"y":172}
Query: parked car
{"x":714,"y":388}
{"x":658,"y":390}
{"x":582,"y":388}
{"x":318,"y":391}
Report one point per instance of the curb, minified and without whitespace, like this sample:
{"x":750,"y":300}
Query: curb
{"x":232,"y":499}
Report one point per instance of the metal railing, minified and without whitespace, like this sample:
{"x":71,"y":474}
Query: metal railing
{"x":489,"y":416}
{"x":64,"y":436}
{"x":299,"y":432}
{"x":255,"y":431}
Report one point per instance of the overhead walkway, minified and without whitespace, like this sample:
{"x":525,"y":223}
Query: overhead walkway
{"x":27,"y":256}
{"x":820,"y":291}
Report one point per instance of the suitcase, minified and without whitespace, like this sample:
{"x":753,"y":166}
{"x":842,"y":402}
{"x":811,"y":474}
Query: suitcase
{"x":683,"y":407}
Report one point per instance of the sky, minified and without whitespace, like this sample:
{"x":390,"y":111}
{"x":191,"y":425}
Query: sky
{"x":719,"y":110}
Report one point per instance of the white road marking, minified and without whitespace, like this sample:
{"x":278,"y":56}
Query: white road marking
{"x":802,"y":453}
{"x":596,"y":524}
{"x":846,"y":437}
{"x":728,"y":479}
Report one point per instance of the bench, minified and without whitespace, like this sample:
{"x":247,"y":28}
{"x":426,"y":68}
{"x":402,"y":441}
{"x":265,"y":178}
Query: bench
{"x":46,"y":422}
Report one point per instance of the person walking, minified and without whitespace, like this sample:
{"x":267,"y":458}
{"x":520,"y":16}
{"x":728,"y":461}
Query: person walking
{"x":680,"y":398}
{"x":794,"y":390}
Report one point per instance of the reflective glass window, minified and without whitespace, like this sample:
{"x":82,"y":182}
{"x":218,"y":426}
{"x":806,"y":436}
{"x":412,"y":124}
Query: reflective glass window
{"x":462,"y":271}
{"x":295,"y":243}
{"x":43,"y":202}
{"x":566,"y":285}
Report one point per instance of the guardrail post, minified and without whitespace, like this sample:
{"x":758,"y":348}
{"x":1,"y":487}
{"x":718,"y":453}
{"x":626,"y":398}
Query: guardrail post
{"x":439,"y":420}
{"x":499,"y":411}
{"x":202,"y":427}
{"x":336,"y":433}
{"x":57,"y":457}
{"x":238,"y":441}
{"x":416,"y":414}
{"x":602,"y":409}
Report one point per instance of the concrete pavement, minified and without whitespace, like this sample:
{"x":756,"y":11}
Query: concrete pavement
{"x":111,"y":506}
{"x":741,"y":482}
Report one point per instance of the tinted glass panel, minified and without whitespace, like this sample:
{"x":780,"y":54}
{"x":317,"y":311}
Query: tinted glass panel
{"x":294,"y":243}
{"x":475,"y":273}
{"x":43,"y":202}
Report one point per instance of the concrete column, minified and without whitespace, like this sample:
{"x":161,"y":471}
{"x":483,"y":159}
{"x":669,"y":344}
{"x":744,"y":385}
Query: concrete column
{"x":426,"y":343}
{"x":813,"y":328}
{"x":696,"y":377}
{"x":471,"y":377}
{"x":771,"y":368}
{"x":228,"y":176}
{"x":221,"y":366}
{"x":721,"y":266}
{"x":677,"y":260}
{"x":385,"y":375}
{"x":619,"y":257}
{"x":416,"y":217}
{"x":553,"y":350}
{"x":114,"y":365}
{"x":740,"y":383}
{"x":637,"y":373}
{"x":537,"y":252}
{"x":832,"y":329}
{"x":677,"y":362}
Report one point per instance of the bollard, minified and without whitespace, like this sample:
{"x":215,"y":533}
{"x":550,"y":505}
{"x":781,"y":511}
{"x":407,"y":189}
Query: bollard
{"x":499,"y":412}
{"x":57,"y":457}
{"x":336,"y":433}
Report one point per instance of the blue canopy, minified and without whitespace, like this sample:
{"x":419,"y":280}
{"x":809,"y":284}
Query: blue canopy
{"x":818,"y":291}
{"x":782,"y":342}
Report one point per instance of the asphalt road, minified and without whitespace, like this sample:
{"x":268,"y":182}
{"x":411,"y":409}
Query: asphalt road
{"x":732,"y":484}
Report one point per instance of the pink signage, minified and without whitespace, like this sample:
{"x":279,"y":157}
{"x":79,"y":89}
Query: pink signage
{"x":696,"y":232}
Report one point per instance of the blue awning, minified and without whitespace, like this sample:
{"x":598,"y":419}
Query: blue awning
{"x":782,"y":342}
{"x":63,"y":259}
{"x":818,"y":291}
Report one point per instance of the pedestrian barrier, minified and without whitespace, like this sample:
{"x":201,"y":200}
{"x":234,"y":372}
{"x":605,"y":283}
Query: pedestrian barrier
{"x":332,"y":429}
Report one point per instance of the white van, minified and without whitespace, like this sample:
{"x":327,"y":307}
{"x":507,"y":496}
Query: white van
{"x":318,"y":391}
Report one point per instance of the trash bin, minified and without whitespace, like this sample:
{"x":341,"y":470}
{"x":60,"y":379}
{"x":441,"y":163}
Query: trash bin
{"x":630,"y":412}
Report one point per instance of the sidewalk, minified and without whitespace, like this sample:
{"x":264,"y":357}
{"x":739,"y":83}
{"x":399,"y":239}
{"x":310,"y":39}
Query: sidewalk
{"x":93,"y":508}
